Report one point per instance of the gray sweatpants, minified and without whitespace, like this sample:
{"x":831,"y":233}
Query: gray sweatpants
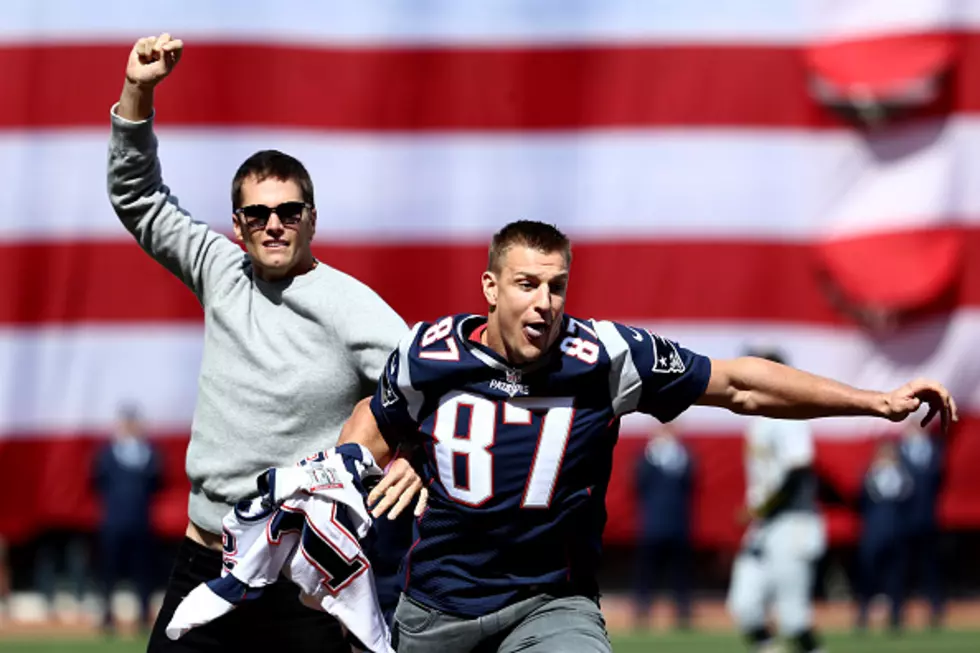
{"x":540,"y":624}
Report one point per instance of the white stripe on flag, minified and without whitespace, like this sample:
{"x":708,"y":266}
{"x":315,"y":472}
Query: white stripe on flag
{"x":437,"y":21}
{"x":65,"y":380}
{"x":451,"y":21}
{"x":765,"y":184}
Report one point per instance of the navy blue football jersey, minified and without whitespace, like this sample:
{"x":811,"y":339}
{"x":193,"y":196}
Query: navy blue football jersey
{"x":517,"y":459}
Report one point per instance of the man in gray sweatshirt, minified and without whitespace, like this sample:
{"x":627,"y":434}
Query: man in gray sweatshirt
{"x":290,"y":346}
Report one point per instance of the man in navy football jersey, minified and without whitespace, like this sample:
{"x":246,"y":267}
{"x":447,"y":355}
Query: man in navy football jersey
{"x":516,"y":414}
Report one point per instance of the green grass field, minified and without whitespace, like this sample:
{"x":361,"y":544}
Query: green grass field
{"x":943,"y":642}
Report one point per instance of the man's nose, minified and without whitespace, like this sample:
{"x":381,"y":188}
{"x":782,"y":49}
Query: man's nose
{"x":542,"y":298}
{"x":274,"y":225}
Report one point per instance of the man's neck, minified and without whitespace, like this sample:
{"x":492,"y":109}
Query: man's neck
{"x":297,"y":270}
{"x":491,"y":338}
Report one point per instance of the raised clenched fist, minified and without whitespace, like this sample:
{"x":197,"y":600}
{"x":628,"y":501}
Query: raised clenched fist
{"x":152,"y":59}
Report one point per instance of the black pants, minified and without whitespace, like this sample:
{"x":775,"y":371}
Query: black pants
{"x":880,"y":564}
{"x":127,"y":552}
{"x":276,"y":621}
{"x":922,"y":554}
{"x":669,"y":557}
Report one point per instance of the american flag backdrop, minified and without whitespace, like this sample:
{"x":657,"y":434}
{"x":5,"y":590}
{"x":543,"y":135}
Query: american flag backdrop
{"x":688,"y":149}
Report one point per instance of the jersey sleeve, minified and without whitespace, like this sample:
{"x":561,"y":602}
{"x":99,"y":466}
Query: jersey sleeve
{"x":651,"y":374}
{"x":396,"y":401}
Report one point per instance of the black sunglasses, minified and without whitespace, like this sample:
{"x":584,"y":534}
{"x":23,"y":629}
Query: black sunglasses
{"x":257,"y":216}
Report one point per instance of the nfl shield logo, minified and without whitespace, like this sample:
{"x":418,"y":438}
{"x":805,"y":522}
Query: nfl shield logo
{"x":513,"y":376}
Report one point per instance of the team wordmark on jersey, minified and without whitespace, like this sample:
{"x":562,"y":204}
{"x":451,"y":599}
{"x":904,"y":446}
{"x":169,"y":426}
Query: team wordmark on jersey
{"x":512,"y":386}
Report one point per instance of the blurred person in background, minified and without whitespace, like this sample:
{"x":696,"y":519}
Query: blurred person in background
{"x":786,"y":534}
{"x":883,"y":503}
{"x":922,"y":458}
{"x":664,"y":479}
{"x":62,"y":557}
{"x":290,"y":346}
{"x":126,"y":475}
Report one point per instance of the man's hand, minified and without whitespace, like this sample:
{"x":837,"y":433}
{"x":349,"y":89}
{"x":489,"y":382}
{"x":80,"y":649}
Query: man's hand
{"x":904,"y":401}
{"x":150,"y":61}
{"x":396,"y":490}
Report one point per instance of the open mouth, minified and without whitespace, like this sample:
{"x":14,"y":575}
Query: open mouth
{"x":275,"y":244}
{"x":535,"y":331}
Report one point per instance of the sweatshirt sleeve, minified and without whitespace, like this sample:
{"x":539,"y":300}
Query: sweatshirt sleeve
{"x":200,"y":257}
{"x":372,"y":330}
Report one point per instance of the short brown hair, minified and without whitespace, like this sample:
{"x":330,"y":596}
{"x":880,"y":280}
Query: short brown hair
{"x":271,"y":164}
{"x":536,"y":235}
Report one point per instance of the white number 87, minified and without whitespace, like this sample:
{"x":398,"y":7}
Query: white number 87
{"x":474,"y":445}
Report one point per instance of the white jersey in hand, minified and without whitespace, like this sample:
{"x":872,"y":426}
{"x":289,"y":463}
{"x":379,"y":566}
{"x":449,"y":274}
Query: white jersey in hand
{"x":306,"y":526}
{"x":772,"y":448}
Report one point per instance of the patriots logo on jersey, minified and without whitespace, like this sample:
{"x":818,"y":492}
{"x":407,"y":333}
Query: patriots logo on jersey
{"x":666,"y":359}
{"x":388,"y":395}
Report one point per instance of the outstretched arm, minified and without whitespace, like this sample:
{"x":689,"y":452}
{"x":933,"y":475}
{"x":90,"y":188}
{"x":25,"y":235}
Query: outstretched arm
{"x":754,"y":386}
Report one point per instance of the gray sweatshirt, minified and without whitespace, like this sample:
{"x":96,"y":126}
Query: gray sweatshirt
{"x":283,"y":363}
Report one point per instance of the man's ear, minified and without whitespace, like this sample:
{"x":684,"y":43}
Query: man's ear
{"x":490,"y":288}
{"x":313,"y":221}
{"x":237,"y":227}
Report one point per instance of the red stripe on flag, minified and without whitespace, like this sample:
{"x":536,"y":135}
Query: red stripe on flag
{"x":433,"y":88}
{"x":49,"y":479}
{"x":444,"y":88}
{"x":115,"y":281}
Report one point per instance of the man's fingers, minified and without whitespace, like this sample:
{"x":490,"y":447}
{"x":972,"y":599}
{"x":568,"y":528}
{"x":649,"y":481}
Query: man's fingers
{"x":380,"y":489}
{"x":395,"y":491}
{"x":422,"y":502}
{"x":952,"y":410}
{"x":395,"y":473}
{"x":394,"y":486}
{"x":383,"y":505}
{"x":398,"y":495}
{"x":405,"y":499}
{"x":143,"y":48}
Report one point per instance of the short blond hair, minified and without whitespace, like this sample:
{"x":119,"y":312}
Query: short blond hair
{"x":529,"y":233}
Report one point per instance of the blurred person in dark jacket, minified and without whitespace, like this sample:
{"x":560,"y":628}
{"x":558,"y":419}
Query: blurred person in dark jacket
{"x":664,"y":478}
{"x":884,"y":501}
{"x":922,"y":457}
{"x":126,"y":476}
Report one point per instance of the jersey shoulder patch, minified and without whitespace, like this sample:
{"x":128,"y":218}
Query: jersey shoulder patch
{"x":666,"y":359}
